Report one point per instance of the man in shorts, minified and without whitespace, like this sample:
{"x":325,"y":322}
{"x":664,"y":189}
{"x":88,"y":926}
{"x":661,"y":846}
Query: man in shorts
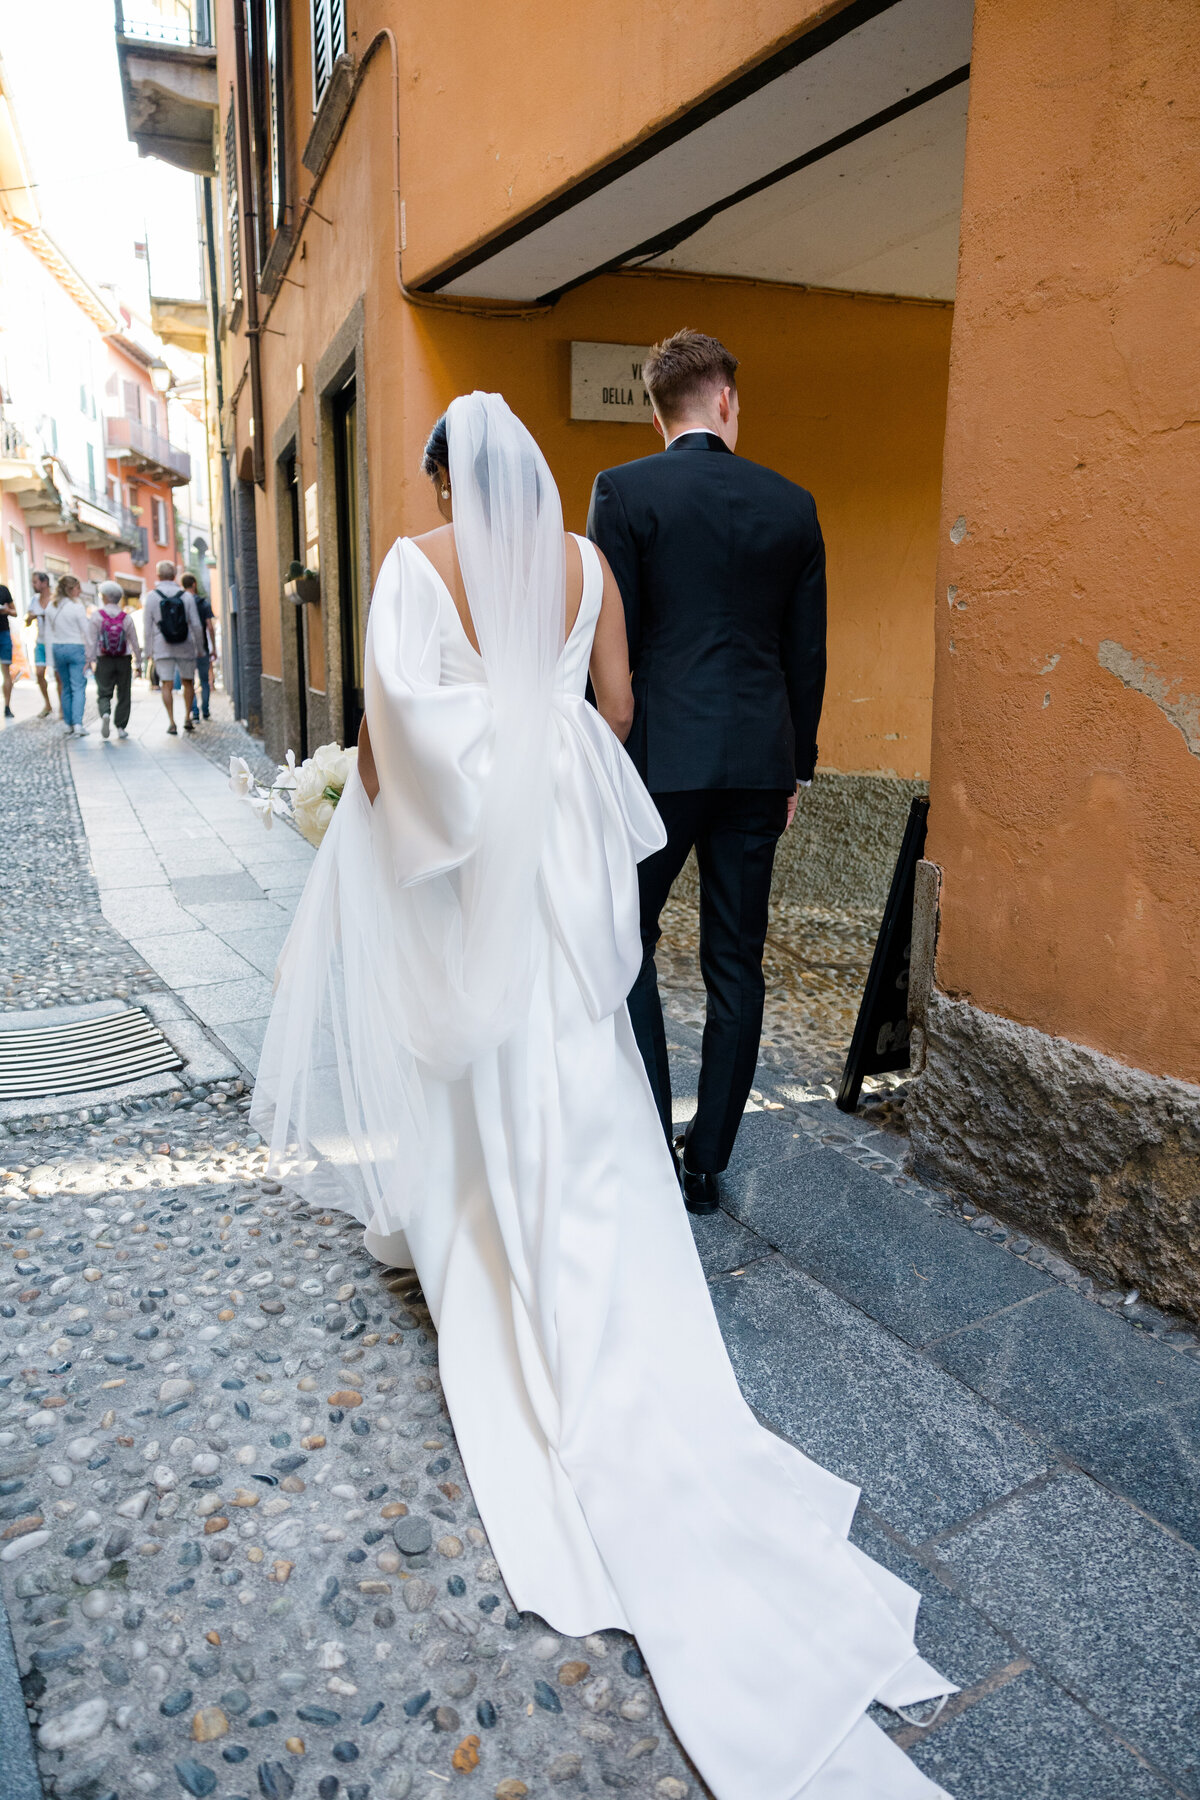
{"x":208,"y":655}
{"x":37,"y":616}
{"x":173,"y":635}
{"x":8,"y":620}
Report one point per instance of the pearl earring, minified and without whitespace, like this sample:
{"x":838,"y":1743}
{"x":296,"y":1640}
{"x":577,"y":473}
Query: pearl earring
{"x":445,"y":493}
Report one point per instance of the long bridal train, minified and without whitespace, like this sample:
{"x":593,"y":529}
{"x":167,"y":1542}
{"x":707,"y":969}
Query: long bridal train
{"x":620,"y":1475}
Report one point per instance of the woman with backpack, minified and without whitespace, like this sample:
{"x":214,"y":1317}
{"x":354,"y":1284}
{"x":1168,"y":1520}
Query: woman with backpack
{"x":114,"y":648}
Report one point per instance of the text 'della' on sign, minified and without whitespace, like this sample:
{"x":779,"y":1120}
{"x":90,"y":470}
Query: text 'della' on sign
{"x":606,"y":383}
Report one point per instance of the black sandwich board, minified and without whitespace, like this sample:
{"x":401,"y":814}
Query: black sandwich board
{"x":880,"y":1040}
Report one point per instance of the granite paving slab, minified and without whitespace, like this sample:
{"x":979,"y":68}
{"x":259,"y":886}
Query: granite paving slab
{"x":1105,"y":1601}
{"x":1114,"y":1399}
{"x":925,"y":1450}
{"x":723,"y":1243}
{"x":226,"y":916}
{"x":220,"y":1003}
{"x":245,"y":1041}
{"x":260,"y":948}
{"x":951,"y":1633}
{"x":1030,"y":1741}
{"x":197,"y":890}
{"x":156,"y":912}
{"x":918,"y":1273}
{"x":190,"y":959}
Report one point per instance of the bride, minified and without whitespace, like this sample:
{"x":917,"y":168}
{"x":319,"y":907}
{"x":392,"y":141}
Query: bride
{"x":450,"y":1059}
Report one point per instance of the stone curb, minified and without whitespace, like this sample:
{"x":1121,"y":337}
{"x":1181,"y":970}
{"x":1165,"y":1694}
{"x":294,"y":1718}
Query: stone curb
{"x":19,"y":1777}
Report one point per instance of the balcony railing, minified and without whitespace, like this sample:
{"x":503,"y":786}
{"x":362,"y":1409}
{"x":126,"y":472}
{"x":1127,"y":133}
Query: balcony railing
{"x":13,"y":442}
{"x":128,"y":437}
{"x":184,"y":26}
{"x":122,"y":523}
{"x":122,"y":517}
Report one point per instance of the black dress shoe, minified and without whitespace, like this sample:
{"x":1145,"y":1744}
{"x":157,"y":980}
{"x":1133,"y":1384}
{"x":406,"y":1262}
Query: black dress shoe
{"x":699,"y":1191}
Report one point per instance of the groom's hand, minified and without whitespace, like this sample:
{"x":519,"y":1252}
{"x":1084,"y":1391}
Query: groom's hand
{"x":794,"y":801}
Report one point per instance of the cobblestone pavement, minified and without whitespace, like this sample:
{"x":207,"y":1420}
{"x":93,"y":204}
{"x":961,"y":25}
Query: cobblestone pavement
{"x":54,"y":943}
{"x":238,"y":1548}
{"x":237,"y":1539}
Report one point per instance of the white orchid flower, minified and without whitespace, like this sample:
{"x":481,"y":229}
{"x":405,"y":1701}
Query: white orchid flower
{"x":240,"y":778}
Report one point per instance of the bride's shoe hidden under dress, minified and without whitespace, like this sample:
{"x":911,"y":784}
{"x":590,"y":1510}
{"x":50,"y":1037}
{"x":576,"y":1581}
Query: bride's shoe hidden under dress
{"x":621,"y":1477}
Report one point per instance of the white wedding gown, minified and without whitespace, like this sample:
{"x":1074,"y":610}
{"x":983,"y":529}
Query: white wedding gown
{"x":621,"y":1477}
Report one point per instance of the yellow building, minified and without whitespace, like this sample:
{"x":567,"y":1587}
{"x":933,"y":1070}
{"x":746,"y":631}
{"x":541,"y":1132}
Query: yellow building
{"x":933,"y":234}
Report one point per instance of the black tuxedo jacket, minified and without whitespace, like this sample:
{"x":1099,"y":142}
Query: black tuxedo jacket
{"x":721,"y":566}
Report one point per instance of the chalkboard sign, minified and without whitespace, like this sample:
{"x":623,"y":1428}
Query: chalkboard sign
{"x":880,"y":1040}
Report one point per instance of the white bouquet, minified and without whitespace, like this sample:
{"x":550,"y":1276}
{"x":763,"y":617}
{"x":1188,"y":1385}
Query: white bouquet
{"x":306,"y":794}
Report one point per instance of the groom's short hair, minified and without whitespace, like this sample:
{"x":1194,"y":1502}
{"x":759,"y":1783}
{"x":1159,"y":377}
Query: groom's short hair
{"x":685,"y":369}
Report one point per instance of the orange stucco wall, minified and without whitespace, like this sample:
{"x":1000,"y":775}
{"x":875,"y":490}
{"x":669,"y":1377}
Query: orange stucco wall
{"x":1065,"y":802}
{"x":506,"y":106}
{"x":846,"y":395}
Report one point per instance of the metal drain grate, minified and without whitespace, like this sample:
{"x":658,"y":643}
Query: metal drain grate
{"x":94,"y":1053}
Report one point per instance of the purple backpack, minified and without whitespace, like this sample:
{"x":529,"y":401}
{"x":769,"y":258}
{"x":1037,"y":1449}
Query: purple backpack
{"x":112,"y":633}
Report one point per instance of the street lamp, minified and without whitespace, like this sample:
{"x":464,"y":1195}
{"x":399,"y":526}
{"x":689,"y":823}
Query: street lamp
{"x":161,"y":376}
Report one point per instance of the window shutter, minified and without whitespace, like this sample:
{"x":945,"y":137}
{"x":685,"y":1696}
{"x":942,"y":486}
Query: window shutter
{"x":231,"y":204}
{"x":329,"y":42}
{"x":133,"y":399}
{"x":322,"y":60}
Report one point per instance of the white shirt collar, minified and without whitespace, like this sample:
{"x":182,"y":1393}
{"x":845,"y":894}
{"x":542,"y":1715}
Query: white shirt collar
{"x":692,"y":431}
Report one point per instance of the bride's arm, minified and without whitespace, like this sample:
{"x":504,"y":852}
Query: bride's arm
{"x":366,"y":763}
{"x":609,"y":668}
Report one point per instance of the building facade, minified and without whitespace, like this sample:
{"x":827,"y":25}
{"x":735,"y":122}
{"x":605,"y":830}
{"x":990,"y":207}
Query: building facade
{"x":89,"y":465}
{"x":952,"y":248}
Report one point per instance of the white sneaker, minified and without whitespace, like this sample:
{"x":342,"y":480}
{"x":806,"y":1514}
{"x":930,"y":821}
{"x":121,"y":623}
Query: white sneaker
{"x":81,"y":731}
{"x":105,"y":724}
{"x":121,"y":732}
{"x":70,"y":731}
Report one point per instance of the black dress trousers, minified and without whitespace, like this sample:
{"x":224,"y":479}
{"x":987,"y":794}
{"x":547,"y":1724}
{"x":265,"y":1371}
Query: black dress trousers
{"x":734,"y":831}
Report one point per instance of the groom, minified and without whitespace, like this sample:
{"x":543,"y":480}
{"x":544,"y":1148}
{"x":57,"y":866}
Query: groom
{"x":721,"y":566}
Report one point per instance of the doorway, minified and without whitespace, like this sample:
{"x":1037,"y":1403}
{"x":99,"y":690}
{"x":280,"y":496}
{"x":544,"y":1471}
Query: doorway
{"x":291,"y":477}
{"x":350,"y":609}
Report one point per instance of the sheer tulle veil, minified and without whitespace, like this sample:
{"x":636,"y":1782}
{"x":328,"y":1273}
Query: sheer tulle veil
{"x":413,"y":940}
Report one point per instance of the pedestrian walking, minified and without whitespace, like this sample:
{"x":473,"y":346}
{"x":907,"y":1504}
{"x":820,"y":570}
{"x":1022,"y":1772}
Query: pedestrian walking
{"x":175,"y":639}
{"x":114,"y":648}
{"x":8,"y":614}
{"x":67,"y":634}
{"x":36,"y":617}
{"x":208,"y":656}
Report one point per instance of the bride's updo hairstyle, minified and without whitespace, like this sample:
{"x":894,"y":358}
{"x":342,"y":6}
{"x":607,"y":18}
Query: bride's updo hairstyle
{"x":435,"y":462}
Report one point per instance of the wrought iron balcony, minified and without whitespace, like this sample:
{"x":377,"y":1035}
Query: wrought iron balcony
{"x":179,"y":24}
{"x":145,"y":449}
{"x":99,"y":516}
{"x":169,"y":81}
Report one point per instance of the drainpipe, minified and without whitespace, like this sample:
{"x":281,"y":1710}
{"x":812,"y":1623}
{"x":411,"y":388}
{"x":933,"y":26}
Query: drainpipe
{"x":249,"y":227}
{"x":233,"y":674}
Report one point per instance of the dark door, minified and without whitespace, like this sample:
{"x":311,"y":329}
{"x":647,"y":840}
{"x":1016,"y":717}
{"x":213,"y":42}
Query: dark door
{"x":291,"y":475}
{"x":353,"y":626}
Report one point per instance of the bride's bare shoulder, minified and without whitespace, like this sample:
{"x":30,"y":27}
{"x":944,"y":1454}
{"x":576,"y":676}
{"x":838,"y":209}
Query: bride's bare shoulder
{"x":439,"y":535}
{"x":438,"y":548}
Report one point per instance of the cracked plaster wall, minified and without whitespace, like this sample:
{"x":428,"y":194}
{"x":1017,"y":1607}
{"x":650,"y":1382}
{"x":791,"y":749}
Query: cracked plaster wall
{"x":1066,"y":781}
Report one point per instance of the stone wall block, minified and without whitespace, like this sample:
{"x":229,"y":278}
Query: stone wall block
{"x":1098,"y":1159}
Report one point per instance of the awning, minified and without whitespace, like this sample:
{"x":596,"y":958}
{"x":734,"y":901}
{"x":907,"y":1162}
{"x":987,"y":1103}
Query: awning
{"x":837,"y":163}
